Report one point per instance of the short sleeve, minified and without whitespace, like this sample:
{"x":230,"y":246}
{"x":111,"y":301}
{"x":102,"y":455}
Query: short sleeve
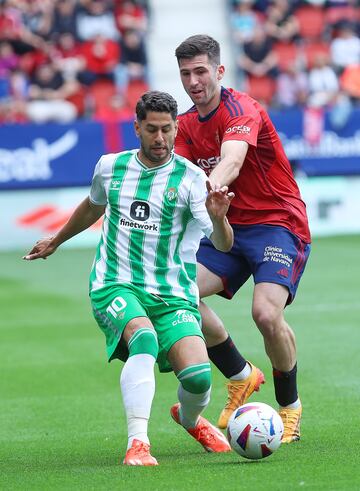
{"x":242,"y":128}
{"x":97,"y":190}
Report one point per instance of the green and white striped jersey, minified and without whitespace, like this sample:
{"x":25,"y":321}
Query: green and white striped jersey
{"x":153,"y":223}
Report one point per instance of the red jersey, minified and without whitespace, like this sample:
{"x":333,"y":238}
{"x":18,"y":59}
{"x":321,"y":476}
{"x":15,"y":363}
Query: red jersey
{"x":265,"y":190}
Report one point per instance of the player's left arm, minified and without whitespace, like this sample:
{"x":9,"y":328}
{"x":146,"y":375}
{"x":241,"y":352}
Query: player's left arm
{"x":233,"y":153}
{"x":217,"y":204}
{"x":209,"y":206}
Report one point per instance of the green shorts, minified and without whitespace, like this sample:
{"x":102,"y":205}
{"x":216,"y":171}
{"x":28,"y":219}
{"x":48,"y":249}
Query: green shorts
{"x":172,"y":317}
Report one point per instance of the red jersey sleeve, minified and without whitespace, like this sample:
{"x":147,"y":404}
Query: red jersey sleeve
{"x":242,"y":128}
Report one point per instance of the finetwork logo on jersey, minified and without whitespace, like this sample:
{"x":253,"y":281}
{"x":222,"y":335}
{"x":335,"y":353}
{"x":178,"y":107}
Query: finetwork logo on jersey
{"x":239,"y":129}
{"x":139,"y":212}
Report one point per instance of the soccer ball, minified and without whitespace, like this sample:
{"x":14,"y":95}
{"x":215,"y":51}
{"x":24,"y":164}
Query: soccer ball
{"x":255,"y":430}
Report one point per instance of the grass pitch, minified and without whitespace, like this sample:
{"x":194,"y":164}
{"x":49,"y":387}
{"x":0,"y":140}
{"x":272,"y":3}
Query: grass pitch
{"x":62,"y":422}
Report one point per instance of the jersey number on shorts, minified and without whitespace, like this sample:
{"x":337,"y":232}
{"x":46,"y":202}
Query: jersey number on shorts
{"x":116,"y":306}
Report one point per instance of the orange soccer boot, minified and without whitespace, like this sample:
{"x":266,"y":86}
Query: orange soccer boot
{"x":291,"y":419}
{"x":139,"y":454}
{"x":204,"y":432}
{"x":239,"y":392}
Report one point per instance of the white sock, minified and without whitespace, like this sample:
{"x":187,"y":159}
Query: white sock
{"x":137,"y":383}
{"x":294,"y":405}
{"x":191,"y":406}
{"x":245,"y":372}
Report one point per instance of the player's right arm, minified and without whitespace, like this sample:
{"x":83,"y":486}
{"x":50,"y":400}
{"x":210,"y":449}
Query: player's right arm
{"x":233,"y":153}
{"x":85,"y":215}
{"x":239,"y":132}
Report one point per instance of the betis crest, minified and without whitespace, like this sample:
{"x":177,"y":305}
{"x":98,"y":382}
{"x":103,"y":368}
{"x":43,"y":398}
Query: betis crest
{"x":171,"y":194}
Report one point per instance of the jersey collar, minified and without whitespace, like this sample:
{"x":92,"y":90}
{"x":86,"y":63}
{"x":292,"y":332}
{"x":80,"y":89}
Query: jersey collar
{"x":152,"y":169}
{"x":211,"y":113}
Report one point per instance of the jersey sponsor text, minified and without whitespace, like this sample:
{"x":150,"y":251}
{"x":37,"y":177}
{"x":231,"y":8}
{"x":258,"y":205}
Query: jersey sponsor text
{"x":240,"y":129}
{"x":275,"y":254}
{"x":139,"y":226}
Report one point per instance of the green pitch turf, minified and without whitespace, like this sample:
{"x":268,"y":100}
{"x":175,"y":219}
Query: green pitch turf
{"x":62,"y":422}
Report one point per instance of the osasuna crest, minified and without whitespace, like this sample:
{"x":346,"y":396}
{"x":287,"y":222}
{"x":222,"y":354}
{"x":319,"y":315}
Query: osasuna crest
{"x":171,"y":194}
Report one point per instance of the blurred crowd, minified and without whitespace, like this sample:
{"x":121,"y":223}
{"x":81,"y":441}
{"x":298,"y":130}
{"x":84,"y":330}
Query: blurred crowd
{"x":61,"y":60}
{"x":299,"y":53}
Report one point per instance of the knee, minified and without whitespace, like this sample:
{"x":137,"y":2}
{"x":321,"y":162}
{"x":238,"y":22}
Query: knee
{"x":196,"y":378}
{"x":144,"y":341}
{"x":267,"y":318}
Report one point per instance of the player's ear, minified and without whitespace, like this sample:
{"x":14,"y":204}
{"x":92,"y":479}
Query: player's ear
{"x":137,"y":127}
{"x":176,"y":127}
{"x":220,"y":72}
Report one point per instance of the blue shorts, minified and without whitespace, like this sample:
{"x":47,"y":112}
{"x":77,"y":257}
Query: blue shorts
{"x":269,"y":253}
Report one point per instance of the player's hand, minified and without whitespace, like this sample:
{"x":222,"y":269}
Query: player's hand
{"x":41,"y":250}
{"x":218,"y":200}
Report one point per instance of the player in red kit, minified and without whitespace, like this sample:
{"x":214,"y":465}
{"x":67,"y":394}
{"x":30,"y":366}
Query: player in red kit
{"x":231,"y":137}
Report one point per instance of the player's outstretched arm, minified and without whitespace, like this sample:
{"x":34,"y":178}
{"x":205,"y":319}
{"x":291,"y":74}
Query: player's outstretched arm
{"x":217,"y":204}
{"x":233,"y":154}
{"x":85,"y":215}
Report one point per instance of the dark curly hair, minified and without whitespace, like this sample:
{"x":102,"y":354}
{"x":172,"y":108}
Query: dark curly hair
{"x":160,"y":102}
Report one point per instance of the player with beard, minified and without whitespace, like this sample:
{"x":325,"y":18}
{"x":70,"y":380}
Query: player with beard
{"x":143,"y":281}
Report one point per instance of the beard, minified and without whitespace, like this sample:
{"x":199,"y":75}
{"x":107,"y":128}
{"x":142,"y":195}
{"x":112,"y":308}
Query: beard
{"x":154,"y":157}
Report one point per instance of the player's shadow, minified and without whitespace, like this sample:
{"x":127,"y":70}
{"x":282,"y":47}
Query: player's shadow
{"x":184,"y":454}
{"x":240,"y":462}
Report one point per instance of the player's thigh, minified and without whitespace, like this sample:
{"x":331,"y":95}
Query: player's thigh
{"x":208,"y":282}
{"x":269,"y":301}
{"x":114,"y":308}
{"x":190,"y":350}
{"x":220,"y":272}
{"x":276,"y":256}
{"x":176,"y":320}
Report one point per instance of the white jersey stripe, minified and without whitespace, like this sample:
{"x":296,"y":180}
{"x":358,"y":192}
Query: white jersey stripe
{"x":154,"y":219}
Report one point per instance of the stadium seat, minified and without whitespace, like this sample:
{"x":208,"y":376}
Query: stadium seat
{"x":287,"y":53}
{"x":100,"y":92}
{"x":78,"y":99}
{"x":311,"y":50}
{"x":311,"y":21}
{"x":261,"y":88}
{"x":333,"y":15}
{"x":135,"y":90}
